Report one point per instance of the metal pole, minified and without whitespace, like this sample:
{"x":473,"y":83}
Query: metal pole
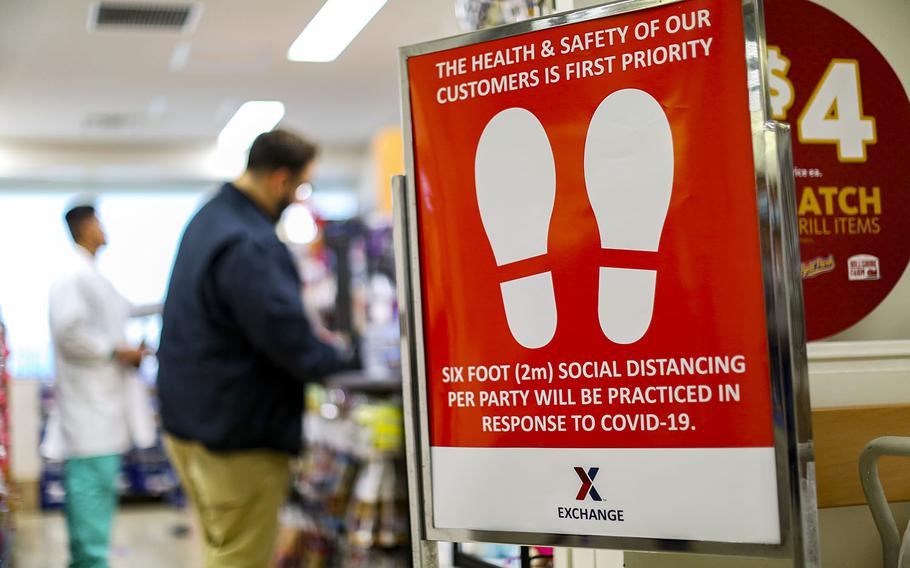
{"x":424,"y":554}
{"x":807,"y":553}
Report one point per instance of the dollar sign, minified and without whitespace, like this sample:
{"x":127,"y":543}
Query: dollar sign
{"x":781,"y":88}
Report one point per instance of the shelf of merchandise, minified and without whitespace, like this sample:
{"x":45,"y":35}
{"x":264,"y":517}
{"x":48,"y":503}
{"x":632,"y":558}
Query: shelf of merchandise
{"x":349,"y":504}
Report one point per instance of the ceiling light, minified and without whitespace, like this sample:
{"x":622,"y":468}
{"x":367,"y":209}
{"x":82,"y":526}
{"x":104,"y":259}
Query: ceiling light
{"x":180,"y":56}
{"x":157,"y":107}
{"x":334,"y":27}
{"x":251,"y":119}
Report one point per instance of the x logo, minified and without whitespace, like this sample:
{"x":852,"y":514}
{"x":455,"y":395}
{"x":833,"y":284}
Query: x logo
{"x":587,"y":484}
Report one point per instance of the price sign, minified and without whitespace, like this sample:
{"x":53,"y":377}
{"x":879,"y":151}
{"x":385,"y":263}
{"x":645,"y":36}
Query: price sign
{"x":849,"y":115}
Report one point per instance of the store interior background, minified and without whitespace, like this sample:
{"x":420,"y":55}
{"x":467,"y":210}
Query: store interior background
{"x":134,"y":116}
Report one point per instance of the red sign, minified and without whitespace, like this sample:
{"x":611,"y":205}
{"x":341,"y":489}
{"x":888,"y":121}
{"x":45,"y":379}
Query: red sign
{"x":590,"y":260}
{"x":534,"y":181}
{"x":849,"y":115}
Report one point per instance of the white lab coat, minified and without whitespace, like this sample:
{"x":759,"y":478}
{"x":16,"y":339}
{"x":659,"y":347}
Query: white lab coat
{"x":101,"y":405}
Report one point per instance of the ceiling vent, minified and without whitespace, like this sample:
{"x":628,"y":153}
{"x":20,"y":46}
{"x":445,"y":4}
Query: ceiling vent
{"x":147,"y":17}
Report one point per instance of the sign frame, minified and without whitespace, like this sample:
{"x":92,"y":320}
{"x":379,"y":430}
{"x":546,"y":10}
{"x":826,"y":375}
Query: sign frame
{"x":781,"y":273}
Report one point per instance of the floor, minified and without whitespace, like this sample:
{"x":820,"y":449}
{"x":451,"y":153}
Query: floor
{"x":145,"y":536}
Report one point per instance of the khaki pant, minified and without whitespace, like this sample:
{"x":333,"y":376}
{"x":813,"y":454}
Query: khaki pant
{"x":237,"y":496}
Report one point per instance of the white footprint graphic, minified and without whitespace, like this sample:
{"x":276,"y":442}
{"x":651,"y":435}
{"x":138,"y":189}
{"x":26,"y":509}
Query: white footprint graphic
{"x":629,"y":177}
{"x":515,"y":178}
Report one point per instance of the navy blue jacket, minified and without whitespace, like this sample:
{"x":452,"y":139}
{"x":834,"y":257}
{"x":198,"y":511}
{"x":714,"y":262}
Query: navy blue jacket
{"x":236,"y":347}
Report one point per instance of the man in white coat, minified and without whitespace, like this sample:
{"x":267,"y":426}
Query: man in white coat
{"x":93,"y":366}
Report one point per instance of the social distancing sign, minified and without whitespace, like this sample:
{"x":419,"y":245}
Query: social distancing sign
{"x":594,"y":322}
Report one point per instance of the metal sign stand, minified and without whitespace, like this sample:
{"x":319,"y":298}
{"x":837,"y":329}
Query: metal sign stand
{"x":782,"y":202}
{"x":425,"y":554}
{"x":786,"y":332}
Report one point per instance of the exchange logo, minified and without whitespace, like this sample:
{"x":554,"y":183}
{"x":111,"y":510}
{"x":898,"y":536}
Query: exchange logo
{"x":587,"y":484}
{"x":589,"y":512}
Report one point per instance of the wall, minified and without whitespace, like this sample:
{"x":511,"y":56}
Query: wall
{"x":24,"y":415}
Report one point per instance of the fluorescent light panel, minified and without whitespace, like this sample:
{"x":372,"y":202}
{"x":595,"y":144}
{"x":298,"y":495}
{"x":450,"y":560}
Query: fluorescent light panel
{"x":251,"y":119}
{"x":332,"y":29}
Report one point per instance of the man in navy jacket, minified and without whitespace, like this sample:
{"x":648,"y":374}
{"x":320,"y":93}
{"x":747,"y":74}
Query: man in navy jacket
{"x":236,"y":350}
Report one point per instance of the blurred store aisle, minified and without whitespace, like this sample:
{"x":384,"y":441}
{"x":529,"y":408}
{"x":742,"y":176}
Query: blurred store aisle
{"x":143,"y":538}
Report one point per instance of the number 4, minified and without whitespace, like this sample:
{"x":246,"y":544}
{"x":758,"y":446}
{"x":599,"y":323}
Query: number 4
{"x":834,"y":113}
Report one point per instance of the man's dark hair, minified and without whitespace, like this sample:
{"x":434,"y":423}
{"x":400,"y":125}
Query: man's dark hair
{"x":76,"y":216}
{"x":280,"y":149}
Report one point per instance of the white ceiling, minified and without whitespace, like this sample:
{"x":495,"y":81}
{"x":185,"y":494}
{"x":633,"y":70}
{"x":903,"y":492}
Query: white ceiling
{"x":55,"y":74}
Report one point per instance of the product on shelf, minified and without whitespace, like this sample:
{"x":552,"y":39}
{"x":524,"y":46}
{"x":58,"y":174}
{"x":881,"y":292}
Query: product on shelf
{"x":349,"y":507}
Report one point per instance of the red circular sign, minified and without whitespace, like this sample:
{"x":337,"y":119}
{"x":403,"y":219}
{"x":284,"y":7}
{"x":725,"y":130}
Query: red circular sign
{"x":849,"y":115}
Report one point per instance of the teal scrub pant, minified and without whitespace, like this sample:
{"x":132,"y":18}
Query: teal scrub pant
{"x":91,"y":500}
